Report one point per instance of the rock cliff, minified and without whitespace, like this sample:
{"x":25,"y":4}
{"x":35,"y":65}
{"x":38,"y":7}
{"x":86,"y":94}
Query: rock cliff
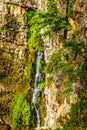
{"x":57,"y":104}
{"x":14,"y":53}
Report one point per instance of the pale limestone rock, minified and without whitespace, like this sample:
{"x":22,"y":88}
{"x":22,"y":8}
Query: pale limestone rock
{"x":12,"y":51}
{"x":18,"y":9}
{"x":63,"y":109}
{"x":80,"y":12}
{"x":2,"y":87}
{"x":51,"y":105}
{"x":73,"y":98}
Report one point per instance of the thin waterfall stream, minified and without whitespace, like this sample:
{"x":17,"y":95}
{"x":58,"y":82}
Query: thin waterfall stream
{"x":36,"y":86}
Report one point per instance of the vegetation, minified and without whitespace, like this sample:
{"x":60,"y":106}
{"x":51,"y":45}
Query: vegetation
{"x":21,"y":112}
{"x":68,"y":58}
{"x":71,"y":59}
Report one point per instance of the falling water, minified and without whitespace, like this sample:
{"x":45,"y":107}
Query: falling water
{"x":36,"y":86}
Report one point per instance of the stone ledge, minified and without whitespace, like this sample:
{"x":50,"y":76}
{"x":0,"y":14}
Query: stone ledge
{"x":22,"y":3}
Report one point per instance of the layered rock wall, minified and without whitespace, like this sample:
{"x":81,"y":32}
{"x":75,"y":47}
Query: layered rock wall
{"x":14,"y":54}
{"x":57,"y":104}
{"x":13,"y":48}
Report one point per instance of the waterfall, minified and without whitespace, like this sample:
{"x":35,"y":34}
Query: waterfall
{"x":36,"y":86}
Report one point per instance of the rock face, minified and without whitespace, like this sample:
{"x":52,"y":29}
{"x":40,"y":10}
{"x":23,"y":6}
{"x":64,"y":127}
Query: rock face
{"x":58,"y":105}
{"x":12,"y":54}
{"x":13,"y":15}
{"x":13,"y":50}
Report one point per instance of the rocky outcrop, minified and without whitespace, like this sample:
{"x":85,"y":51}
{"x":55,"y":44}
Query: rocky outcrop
{"x":57,"y":104}
{"x":12,"y":54}
{"x":22,"y":3}
{"x":13,"y":49}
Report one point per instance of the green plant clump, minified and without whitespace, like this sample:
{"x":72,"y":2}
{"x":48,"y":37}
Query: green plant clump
{"x":21,"y":112}
{"x":49,"y":21}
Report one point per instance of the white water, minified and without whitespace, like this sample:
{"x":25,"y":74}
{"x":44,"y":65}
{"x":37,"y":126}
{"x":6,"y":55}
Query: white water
{"x":36,"y":86}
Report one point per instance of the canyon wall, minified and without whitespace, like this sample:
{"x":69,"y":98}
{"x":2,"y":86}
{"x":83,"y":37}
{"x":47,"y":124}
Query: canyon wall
{"x":13,"y":54}
{"x":57,"y":104}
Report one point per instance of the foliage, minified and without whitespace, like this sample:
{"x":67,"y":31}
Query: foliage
{"x":70,"y":8}
{"x":48,"y":21}
{"x":29,"y":70}
{"x":21,"y":112}
{"x":45,"y":24}
{"x":42,"y":86}
{"x":35,"y":41}
{"x":53,"y":65}
{"x":68,"y":91}
{"x":77,"y":46}
{"x":71,"y":58}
